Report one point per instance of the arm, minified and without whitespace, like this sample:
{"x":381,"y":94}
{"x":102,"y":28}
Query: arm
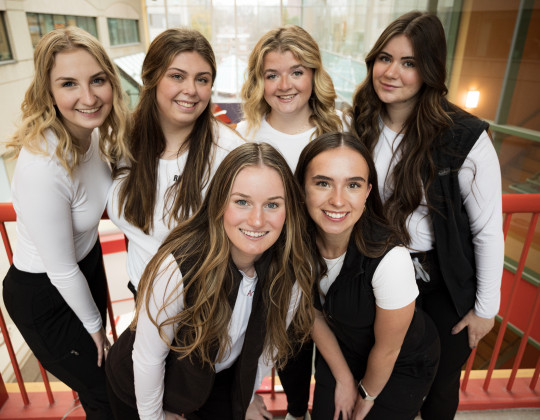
{"x":390,"y":329}
{"x":328,"y":346}
{"x":149,"y":350}
{"x":44,"y":208}
{"x":480,"y":185}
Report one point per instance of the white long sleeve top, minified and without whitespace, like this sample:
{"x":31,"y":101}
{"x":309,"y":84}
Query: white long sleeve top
{"x":480,"y":185}
{"x":57,"y":220}
{"x":143,"y":247}
{"x":150,"y":351}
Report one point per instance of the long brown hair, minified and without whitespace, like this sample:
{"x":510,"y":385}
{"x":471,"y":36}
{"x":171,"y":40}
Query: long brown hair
{"x":305,"y":49}
{"x":372,"y":234}
{"x":428,"y":119}
{"x":202,"y":241}
{"x":40,"y":114}
{"x":147,"y":142}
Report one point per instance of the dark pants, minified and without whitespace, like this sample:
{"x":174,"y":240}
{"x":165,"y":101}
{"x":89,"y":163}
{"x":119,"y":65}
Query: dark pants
{"x":296,"y":380}
{"x":55,"y":334}
{"x":218,"y":405}
{"x":443,"y":398}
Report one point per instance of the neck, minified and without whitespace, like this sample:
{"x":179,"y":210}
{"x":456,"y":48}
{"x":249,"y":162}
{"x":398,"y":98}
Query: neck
{"x":290,"y":123}
{"x":332,"y":246}
{"x":175,"y":142}
{"x":396,"y":115}
{"x":245,"y":263}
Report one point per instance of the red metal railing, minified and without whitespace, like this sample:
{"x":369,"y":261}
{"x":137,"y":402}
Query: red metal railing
{"x":486,"y":392}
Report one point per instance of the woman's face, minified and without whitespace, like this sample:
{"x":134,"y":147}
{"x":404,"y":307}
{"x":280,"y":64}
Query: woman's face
{"x":287,"y":84}
{"x":184,"y":91}
{"x":336,"y":187}
{"x":255,"y":213}
{"x":395,"y":77}
{"x":81,"y":91}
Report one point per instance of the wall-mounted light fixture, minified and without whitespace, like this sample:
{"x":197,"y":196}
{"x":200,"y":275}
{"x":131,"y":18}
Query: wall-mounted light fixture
{"x":472,"y":99}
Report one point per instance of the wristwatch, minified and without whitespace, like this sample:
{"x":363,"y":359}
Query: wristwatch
{"x":364,"y":394}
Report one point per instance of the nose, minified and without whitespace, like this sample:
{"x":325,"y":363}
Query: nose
{"x":336,"y":199}
{"x":88,"y":96}
{"x":189,"y":87}
{"x":256,"y":217}
{"x":284,"y":83}
{"x":391,"y":70}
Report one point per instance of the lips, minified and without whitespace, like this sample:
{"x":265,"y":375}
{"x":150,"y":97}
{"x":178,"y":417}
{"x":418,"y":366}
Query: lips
{"x":186,"y":104}
{"x":89,"y":111}
{"x":253,"y":234}
{"x":336,"y":215}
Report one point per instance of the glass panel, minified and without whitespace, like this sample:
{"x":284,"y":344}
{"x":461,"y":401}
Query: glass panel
{"x":88,"y":24}
{"x":123,"y":31}
{"x":33,"y":27}
{"x":59,"y":21}
{"x":46,"y":24}
{"x":5,"y":49}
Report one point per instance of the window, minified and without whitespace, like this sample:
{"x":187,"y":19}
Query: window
{"x":123,"y":31}
{"x":5,"y":50}
{"x":39,"y":24}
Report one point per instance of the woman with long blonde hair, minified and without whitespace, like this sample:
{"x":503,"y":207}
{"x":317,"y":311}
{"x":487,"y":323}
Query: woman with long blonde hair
{"x":73,"y":123}
{"x":217,"y":299}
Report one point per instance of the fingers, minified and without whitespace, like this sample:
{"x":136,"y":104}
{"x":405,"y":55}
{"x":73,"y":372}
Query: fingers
{"x":459,"y":327}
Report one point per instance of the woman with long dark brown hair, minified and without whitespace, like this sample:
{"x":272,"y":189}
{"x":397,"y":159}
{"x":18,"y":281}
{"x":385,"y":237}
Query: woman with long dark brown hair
{"x":441,"y":188}
{"x":176,"y":144}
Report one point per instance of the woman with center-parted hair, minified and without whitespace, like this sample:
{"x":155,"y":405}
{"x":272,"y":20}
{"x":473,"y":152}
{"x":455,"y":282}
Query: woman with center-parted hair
{"x":73,"y":125}
{"x":176,"y":144}
{"x":288,"y":99}
{"x":220,"y":299}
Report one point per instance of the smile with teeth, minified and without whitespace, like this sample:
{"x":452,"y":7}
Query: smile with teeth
{"x":286,"y":96}
{"x":186,"y":104}
{"x":253,"y":234}
{"x":88,"y":111}
{"x":336,"y":215}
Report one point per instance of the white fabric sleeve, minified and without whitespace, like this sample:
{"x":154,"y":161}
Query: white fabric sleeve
{"x":394,"y":282}
{"x":149,"y":350}
{"x":44,"y":206}
{"x":265,"y":366}
{"x":480,"y":186}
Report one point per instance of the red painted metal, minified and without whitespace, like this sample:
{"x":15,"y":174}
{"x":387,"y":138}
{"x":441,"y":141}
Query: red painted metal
{"x":468,"y":368}
{"x":46,"y":383}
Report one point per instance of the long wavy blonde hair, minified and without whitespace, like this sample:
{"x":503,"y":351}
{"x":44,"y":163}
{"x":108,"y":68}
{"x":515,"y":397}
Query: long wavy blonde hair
{"x":40,"y":114}
{"x":305,"y":49}
{"x":203,"y":242}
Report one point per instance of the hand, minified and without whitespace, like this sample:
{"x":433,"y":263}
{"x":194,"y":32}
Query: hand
{"x":102,"y":344}
{"x":257,"y":409}
{"x":345,"y":397}
{"x":172,"y":416}
{"x":477,"y":326}
{"x":362,"y":408}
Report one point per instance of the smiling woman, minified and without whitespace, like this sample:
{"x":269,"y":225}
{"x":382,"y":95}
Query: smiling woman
{"x":74,"y":121}
{"x":220,"y":299}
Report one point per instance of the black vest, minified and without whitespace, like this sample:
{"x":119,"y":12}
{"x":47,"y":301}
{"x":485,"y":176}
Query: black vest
{"x":188,"y":383}
{"x":453,"y":238}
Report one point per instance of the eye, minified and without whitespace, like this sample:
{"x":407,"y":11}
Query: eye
{"x":99,"y":81}
{"x":271,"y":76}
{"x":68,"y":84}
{"x":297,"y":73}
{"x":323,"y":184}
{"x":354,"y":185}
{"x":272,"y":205}
{"x":384,"y":58}
{"x":203,"y":80}
{"x":409,"y":64}
{"x":241,"y":202}
{"x":176,"y":76}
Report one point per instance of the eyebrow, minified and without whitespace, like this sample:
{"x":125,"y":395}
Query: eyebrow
{"x":327,"y":178}
{"x":185,"y":72}
{"x":403,"y":58}
{"x":64,"y":78}
{"x":277,"y":197}
{"x":291,"y":68}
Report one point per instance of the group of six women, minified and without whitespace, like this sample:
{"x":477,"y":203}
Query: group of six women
{"x":236,"y":263}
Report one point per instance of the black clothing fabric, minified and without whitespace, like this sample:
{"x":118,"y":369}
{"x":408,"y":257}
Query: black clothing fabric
{"x":55,"y":334}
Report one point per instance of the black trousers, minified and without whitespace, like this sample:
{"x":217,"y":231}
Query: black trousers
{"x":443,"y":398}
{"x":55,"y":334}
{"x":296,"y":380}
{"x":218,"y":405}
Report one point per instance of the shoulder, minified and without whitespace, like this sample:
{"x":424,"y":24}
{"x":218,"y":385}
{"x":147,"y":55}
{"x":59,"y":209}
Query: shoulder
{"x":226,"y":138}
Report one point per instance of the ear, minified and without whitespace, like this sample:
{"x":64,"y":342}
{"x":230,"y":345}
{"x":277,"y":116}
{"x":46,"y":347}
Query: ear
{"x":368,"y":191}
